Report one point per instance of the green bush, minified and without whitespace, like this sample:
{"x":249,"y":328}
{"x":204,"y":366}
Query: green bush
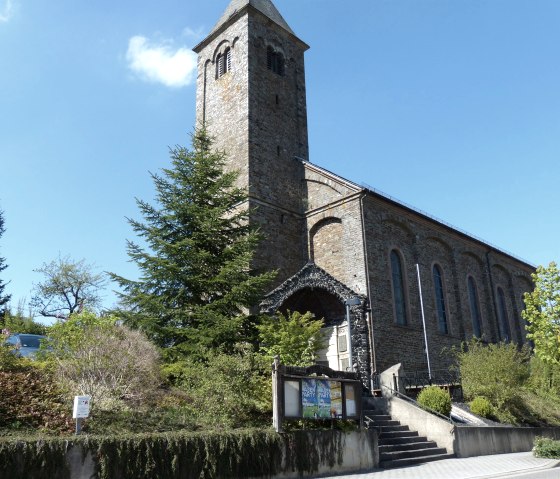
{"x":545,"y":378}
{"x":31,"y":400}
{"x":435,"y":399}
{"x":226,"y":390}
{"x":482,"y":407}
{"x":496,"y":372}
{"x":545,"y":447}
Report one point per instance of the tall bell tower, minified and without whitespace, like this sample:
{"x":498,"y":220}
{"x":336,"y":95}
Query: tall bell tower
{"x":251,"y":97}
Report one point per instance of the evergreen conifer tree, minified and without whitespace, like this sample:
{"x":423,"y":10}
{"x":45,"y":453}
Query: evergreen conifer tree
{"x":4,"y":298}
{"x":196,"y":284}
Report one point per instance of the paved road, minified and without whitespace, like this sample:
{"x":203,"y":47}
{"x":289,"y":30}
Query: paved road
{"x":483,"y":467}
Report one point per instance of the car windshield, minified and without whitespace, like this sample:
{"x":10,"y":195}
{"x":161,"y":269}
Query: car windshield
{"x":30,"y":341}
{"x":12,"y":340}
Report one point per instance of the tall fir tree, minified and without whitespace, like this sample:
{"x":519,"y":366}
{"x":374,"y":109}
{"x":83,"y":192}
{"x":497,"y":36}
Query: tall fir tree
{"x":196,"y":283}
{"x":4,"y":298}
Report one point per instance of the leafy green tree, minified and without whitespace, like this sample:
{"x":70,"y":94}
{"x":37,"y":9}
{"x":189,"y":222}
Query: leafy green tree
{"x":295,"y":337}
{"x":69,"y":287}
{"x":4,"y":298}
{"x":196,"y":283}
{"x":542,"y":313}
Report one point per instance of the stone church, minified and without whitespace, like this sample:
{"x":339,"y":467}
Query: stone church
{"x":400,"y":279}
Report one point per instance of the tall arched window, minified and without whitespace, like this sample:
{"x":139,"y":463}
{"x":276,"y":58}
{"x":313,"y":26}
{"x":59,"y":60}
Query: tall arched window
{"x":503,"y":319}
{"x":398,"y":288}
{"x":275,"y":61}
{"x":475,"y":307}
{"x":223,"y":63}
{"x":440,"y":299}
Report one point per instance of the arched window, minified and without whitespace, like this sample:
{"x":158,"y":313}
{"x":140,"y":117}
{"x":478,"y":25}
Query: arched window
{"x":275,"y":61}
{"x":475,"y":307}
{"x":503,"y":319}
{"x":440,"y":299}
{"x":398,"y":288}
{"x":223,"y":63}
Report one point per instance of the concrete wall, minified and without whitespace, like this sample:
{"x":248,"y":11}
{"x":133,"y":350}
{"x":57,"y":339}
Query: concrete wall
{"x":427,"y":424}
{"x":482,"y":441}
{"x":467,"y":441}
{"x":326,"y":452}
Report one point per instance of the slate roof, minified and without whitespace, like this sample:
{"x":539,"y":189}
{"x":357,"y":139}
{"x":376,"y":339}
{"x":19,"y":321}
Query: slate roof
{"x":266,"y":7}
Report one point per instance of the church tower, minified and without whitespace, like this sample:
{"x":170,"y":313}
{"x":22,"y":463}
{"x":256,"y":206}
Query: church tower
{"x":251,"y":97}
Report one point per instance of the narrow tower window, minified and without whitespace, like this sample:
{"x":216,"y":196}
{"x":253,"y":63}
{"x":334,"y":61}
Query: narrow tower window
{"x":275,"y":61}
{"x":475,"y":307}
{"x":223,"y":63}
{"x":398,"y":288}
{"x":503,"y":320}
{"x":440,"y":299}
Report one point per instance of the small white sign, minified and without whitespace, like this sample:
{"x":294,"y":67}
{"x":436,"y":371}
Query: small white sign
{"x":81,"y":406}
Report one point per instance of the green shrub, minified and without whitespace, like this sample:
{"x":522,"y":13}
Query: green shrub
{"x":482,"y":407}
{"x":32,"y":400}
{"x":435,"y":399}
{"x":545,"y":378}
{"x":226,"y":390}
{"x":545,"y":447}
{"x":496,"y":372}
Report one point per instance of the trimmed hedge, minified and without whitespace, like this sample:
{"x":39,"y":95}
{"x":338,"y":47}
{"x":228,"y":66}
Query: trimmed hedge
{"x":239,"y":454}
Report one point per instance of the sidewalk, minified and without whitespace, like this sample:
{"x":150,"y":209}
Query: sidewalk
{"x":481,"y":467}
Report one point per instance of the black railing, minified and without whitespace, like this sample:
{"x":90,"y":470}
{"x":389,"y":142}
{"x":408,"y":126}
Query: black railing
{"x":439,"y":377}
{"x":414,"y":381}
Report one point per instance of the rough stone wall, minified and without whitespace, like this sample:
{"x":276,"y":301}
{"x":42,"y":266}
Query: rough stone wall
{"x":222,"y":103}
{"x":259,"y":119}
{"x":420,"y":240}
{"x":334,"y":228}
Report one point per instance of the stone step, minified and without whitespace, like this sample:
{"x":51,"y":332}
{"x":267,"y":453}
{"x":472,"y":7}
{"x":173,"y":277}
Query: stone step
{"x":407,"y":446}
{"x":414,"y":453}
{"x":385,"y":422}
{"x":390,"y":441}
{"x":395,"y":434}
{"x":397,"y":428}
{"x":415,"y":460}
{"x":378,"y":417}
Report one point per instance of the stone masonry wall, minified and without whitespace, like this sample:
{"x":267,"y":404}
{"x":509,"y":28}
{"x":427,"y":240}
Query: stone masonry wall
{"x":420,"y":240}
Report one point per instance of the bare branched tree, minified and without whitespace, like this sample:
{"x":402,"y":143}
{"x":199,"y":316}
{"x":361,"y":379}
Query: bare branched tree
{"x":69,"y":287}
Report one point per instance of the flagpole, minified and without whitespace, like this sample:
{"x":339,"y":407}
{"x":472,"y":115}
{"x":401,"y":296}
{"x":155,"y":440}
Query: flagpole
{"x":424,"y":322}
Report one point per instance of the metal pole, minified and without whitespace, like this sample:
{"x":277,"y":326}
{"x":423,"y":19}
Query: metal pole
{"x":424,"y":322}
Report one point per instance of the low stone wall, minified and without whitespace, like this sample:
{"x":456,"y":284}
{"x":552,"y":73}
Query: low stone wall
{"x":244,"y":454}
{"x":481,"y":441}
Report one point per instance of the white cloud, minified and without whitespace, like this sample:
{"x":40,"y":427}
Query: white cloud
{"x":160,"y":62}
{"x":6,"y":7}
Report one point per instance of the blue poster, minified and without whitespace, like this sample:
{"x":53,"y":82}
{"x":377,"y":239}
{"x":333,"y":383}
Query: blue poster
{"x":309,"y":398}
{"x":323,"y":398}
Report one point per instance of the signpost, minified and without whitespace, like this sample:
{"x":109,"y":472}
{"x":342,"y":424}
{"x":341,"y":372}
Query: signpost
{"x":81,"y":410}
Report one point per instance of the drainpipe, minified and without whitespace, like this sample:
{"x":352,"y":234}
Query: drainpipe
{"x":369,"y":318}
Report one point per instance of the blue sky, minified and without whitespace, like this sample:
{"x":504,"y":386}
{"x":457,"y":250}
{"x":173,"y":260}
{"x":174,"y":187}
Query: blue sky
{"x":452,"y":106}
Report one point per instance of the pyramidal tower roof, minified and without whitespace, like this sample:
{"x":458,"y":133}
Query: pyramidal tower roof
{"x":266,"y":7}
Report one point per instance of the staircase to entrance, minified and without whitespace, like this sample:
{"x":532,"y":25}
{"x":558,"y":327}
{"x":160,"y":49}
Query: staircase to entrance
{"x":398,"y":445}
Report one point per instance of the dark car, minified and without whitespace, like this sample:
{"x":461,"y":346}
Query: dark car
{"x":25,"y":345}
